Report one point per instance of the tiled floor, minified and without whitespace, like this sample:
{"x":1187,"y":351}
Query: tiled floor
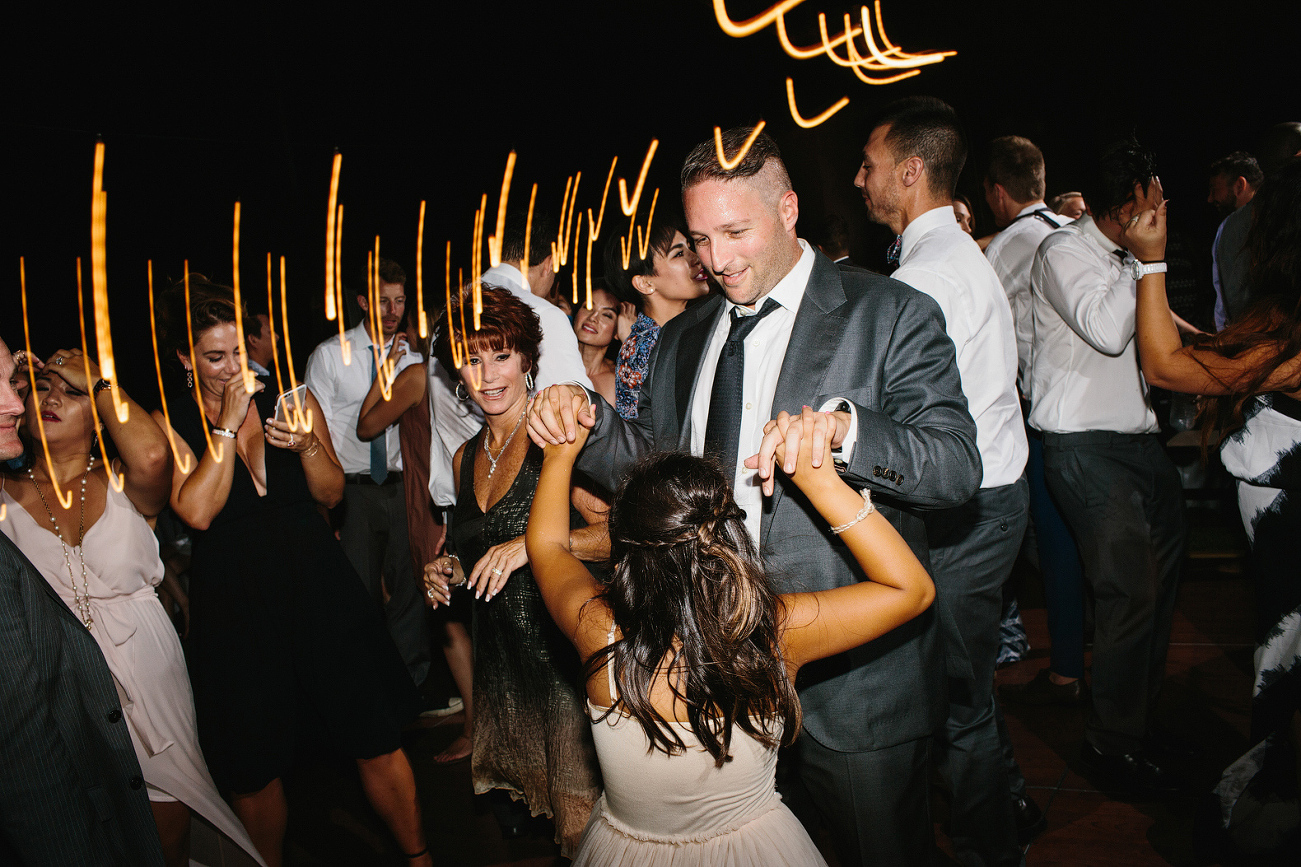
{"x":1205,"y":701}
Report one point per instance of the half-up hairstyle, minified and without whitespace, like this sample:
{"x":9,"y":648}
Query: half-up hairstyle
{"x":689,"y":593}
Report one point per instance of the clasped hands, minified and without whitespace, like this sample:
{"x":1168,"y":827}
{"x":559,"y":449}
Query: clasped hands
{"x":556,"y":413}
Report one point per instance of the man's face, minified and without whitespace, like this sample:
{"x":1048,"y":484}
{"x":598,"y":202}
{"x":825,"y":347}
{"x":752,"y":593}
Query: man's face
{"x":879,"y":182}
{"x":1222,"y":195}
{"x":11,"y":408}
{"x":743,"y":238}
{"x":392,"y":304}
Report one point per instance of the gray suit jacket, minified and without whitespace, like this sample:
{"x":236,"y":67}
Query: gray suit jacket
{"x":70,"y":786}
{"x":881,"y":345}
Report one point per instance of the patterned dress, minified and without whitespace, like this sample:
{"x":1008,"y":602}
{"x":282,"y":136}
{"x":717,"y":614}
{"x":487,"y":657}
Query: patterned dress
{"x":634,"y":361}
{"x":1258,"y":792}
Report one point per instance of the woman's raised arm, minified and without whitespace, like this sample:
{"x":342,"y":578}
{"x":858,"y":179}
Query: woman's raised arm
{"x":828,"y":622}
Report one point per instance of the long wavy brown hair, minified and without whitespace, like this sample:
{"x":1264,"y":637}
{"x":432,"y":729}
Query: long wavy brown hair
{"x":1271,"y":326}
{"x":690,"y":597}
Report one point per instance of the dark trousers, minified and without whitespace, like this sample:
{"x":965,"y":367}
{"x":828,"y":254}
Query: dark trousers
{"x":973,"y":548}
{"x":374,"y":536}
{"x":1123,"y":501}
{"x":1059,"y":562}
{"x":875,"y":802}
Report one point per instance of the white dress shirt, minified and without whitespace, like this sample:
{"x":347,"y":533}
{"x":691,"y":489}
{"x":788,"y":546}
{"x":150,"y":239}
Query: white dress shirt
{"x":940,"y":259}
{"x":1084,"y":372}
{"x":560,"y":359}
{"x":341,"y":389}
{"x":1012,"y":253}
{"x":765,"y":350}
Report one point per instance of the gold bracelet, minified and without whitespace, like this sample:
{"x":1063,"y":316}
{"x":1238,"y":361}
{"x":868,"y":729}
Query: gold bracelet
{"x":867,"y":509}
{"x":309,"y":453}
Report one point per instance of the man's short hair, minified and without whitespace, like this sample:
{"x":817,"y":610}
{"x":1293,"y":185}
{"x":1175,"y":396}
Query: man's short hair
{"x":926,"y":127}
{"x":1238,"y":164}
{"x":543,"y":233}
{"x":702,"y":163}
{"x":1060,"y":199}
{"x":391,"y":272}
{"x":1111,"y":183}
{"x":1017,"y":165}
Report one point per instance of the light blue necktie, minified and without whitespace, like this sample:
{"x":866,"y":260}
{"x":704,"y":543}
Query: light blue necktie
{"x":378,"y":450}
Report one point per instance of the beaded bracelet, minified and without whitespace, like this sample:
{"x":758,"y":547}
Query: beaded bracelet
{"x":867,"y":509}
{"x":223,"y":432}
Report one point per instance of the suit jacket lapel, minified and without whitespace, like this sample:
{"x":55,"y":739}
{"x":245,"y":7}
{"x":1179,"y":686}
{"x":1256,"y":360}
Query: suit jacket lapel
{"x":690,"y":352}
{"x":815,"y":339}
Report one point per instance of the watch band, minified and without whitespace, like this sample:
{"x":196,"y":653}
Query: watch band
{"x":100,"y":385}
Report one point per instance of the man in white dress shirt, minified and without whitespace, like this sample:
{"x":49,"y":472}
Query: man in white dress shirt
{"x":1104,"y":466}
{"x":910,"y":169}
{"x":374,"y":530}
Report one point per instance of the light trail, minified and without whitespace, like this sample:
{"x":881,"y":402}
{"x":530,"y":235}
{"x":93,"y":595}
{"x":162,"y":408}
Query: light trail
{"x":99,"y":282}
{"x":250,"y":382}
{"x":219,"y":452}
{"x":815,"y":121}
{"x":630,"y":207}
{"x":117,"y":480}
{"x":422,"y":321}
{"x":300,"y":418}
{"x":740,"y":155}
{"x":330,"y":227}
{"x":182,"y":461}
{"x":494,"y":242}
{"x":65,"y":502}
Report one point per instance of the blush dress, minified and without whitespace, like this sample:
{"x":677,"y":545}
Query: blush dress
{"x":139,"y":644}
{"x":682,"y":811}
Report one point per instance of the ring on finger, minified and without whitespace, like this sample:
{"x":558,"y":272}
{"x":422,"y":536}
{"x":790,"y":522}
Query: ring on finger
{"x":496,"y":571}
{"x":58,"y":359}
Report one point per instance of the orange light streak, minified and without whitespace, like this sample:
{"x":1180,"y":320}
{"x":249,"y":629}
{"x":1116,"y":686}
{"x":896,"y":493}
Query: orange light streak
{"x":99,"y":280}
{"x":590,"y":239}
{"x":812,"y":122}
{"x":422,"y":321}
{"x":345,"y":345}
{"x":383,"y":364}
{"x":249,"y":381}
{"x":494,"y":242}
{"x":330,"y":240}
{"x":630,"y":207}
{"x":66,"y":502}
{"x":271,"y":326}
{"x":299,"y":419}
{"x":574,"y":293}
{"x":451,"y":335}
{"x":752,"y":25}
{"x":560,"y":250}
{"x":810,"y":51}
{"x":740,"y":155}
{"x":219,"y":452}
{"x":183,"y":462}
{"x":595,"y":230}
{"x":118,"y":481}
{"x":528,"y":235}
{"x":643,"y":244}
{"x":476,"y":290}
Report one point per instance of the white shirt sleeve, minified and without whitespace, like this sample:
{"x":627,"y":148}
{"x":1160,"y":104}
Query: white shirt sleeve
{"x":561,"y":360}
{"x":1095,"y":306}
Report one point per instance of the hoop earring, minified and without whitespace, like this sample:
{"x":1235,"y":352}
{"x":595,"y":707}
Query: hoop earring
{"x":189,"y":378}
{"x":461,"y":393}
{"x":528,"y":382}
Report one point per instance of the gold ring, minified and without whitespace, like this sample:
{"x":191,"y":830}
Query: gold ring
{"x":496,"y":571}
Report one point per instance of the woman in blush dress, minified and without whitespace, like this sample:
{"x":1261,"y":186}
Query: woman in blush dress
{"x":691,"y":657}
{"x":101,"y":556}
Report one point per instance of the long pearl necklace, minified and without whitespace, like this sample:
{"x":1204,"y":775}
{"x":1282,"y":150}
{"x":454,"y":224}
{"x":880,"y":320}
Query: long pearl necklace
{"x":80,"y":598}
{"x":492,"y":462}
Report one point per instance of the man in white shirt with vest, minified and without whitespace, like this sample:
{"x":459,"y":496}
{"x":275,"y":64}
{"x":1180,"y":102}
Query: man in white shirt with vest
{"x":1115,"y":486}
{"x":374,"y":530}
{"x":910,"y":169}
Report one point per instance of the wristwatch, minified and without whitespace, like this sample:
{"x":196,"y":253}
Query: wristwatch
{"x":1138,"y":270}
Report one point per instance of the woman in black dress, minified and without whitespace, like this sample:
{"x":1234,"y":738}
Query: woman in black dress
{"x":531,"y":734}
{"x":283,"y":638}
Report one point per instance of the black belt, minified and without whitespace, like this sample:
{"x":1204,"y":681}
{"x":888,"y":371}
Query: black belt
{"x":394,"y":478}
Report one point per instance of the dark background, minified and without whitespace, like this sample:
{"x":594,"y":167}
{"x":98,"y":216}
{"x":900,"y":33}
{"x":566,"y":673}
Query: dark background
{"x":425,"y":101}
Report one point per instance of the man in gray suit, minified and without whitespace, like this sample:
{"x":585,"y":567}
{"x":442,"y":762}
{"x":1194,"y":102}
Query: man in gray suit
{"x":71,"y":791}
{"x":872,"y":351}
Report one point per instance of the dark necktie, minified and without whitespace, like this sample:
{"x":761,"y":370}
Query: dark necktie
{"x":379,"y":445}
{"x":892,"y":254}
{"x":723,"y":430}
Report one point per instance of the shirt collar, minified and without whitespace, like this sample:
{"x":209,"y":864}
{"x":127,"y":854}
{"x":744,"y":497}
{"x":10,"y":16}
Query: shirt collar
{"x":789,"y":290}
{"x":1037,"y":206}
{"x":507,"y":276}
{"x":359,"y":336}
{"x":1090,"y":229}
{"x":932,"y":219}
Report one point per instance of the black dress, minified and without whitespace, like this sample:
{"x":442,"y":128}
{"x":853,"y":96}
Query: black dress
{"x":285,"y":644}
{"x":531,"y":732}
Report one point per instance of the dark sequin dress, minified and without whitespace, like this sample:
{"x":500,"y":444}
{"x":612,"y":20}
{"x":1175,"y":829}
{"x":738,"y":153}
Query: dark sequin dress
{"x":531,"y":732}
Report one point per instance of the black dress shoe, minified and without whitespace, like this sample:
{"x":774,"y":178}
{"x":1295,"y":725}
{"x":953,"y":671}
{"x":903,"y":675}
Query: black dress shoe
{"x":1132,"y":773}
{"x":1168,"y":746}
{"x":1042,"y":691}
{"x":1030,"y":820}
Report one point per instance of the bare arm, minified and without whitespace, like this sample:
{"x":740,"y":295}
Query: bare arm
{"x":377,"y":414}
{"x":565,"y":582}
{"x":821,"y":624}
{"x":1166,"y":362}
{"x":316,"y":451}
{"x":590,"y":543}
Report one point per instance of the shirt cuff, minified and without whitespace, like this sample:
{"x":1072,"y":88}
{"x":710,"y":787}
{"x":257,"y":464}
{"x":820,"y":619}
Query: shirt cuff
{"x":845,"y":453}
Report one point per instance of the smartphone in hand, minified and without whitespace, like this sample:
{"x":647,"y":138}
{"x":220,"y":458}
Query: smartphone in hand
{"x":294,"y":399}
